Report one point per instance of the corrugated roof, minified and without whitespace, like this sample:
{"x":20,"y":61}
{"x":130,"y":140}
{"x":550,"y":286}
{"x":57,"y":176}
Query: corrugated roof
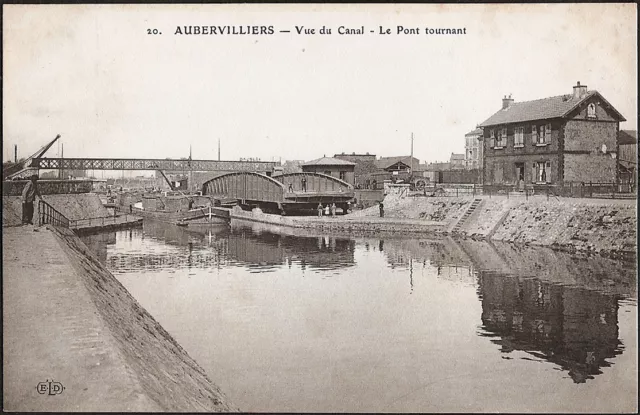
{"x":541,"y":109}
{"x":328,"y":161}
{"x":628,"y":137}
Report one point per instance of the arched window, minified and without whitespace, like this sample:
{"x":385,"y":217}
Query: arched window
{"x":591,"y":110}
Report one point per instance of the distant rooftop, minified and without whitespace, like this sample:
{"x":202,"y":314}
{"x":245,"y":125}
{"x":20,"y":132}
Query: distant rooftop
{"x":477,"y":131}
{"x":628,"y":137}
{"x":354,"y":154}
{"x":385,"y":162}
{"x":328,"y":161}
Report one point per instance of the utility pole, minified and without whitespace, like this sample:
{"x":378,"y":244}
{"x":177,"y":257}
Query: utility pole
{"x":15,"y":154}
{"x":411,"y":154}
{"x":218,"y":149}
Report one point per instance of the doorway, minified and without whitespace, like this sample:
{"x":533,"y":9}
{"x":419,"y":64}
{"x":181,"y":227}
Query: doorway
{"x":520,"y":176}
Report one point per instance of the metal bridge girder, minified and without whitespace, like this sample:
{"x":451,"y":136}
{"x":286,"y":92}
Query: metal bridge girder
{"x":151,"y":164}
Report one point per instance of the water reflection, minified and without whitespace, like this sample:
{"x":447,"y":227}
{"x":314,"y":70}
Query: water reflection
{"x":572,"y":327}
{"x":552,"y":305}
{"x":259,"y":249}
{"x":98,"y":244}
{"x":385,"y":324}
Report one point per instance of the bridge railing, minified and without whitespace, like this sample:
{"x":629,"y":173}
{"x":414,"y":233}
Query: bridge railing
{"x":49,"y":215}
{"x":100,"y":221}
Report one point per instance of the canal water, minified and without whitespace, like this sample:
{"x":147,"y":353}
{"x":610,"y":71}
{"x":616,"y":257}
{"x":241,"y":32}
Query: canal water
{"x":288,"y":321}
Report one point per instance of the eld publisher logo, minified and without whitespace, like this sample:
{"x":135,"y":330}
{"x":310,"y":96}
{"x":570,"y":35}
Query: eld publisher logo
{"x":49,"y":387}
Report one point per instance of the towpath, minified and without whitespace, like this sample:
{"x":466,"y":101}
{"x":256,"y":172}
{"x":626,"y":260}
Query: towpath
{"x":52,"y":332}
{"x":68,"y":320}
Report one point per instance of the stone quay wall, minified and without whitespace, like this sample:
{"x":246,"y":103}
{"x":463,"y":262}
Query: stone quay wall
{"x":589,"y":226}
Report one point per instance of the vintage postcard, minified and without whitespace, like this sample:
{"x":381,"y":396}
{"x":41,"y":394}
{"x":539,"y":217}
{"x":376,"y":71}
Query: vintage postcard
{"x":320,"y":208}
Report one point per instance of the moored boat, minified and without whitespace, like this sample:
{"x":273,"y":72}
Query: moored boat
{"x":179,"y":209}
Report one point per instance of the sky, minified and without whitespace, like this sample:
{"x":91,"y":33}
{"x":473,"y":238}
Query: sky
{"x":94,"y":75}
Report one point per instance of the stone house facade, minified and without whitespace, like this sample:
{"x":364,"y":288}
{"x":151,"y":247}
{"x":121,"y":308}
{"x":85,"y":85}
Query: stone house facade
{"x":558,"y":140}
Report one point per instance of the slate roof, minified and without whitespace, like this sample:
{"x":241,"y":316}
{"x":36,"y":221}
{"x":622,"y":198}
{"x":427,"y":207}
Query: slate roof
{"x":628,"y":137}
{"x":455,"y":156}
{"x":541,"y":109}
{"x":477,"y":131}
{"x":328,"y":161}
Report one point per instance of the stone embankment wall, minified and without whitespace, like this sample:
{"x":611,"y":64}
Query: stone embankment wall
{"x":341,"y":224}
{"x":603,"y":226}
{"x":164,"y":370}
{"x":74,"y":206}
{"x":591,"y":226}
{"x":607,"y":227}
{"x":437,"y":209}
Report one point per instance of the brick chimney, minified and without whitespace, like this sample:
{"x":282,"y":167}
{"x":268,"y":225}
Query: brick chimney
{"x":506,"y":102}
{"x":579,"y":91}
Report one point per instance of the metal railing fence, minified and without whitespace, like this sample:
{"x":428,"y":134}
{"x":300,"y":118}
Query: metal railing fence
{"x":100,"y":221}
{"x":49,"y":215}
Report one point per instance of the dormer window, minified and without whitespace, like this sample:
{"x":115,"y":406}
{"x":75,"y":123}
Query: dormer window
{"x":591,"y":110}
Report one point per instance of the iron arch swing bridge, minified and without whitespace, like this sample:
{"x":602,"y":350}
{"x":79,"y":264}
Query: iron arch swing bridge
{"x":285,"y":193}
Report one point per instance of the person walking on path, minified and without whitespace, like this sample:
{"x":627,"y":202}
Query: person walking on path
{"x":304,"y":184}
{"x":381,"y":210}
{"x":319,"y":210}
{"x":29,"y":194}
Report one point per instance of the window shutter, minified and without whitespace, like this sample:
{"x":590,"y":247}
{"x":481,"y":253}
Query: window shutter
{"x":548,"y":170}
{"x":534,"y":136}
{"x":547,"y":133}
{"x":534,"y":178}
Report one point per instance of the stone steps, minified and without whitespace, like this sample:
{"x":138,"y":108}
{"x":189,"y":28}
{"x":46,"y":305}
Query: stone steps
{"x":467,"y":214}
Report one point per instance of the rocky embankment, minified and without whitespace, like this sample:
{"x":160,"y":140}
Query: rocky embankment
{"x":592,"y":226}
{"x":164,"y":370}
{"x":605,"y":227}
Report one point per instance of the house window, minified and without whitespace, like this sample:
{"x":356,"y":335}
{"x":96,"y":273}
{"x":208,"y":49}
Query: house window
{"x":492,"y":138}
{"x":501,"y":140}
{"x":518,"y":137}
{"x":541,"y":171}
{"x":543,"y":134}
{"x":502,"y":137}
{"x":591,"y":111}
{"x":343,"y":175}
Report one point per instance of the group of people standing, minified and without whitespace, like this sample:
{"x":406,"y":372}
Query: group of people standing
{"x":328,"y":210}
